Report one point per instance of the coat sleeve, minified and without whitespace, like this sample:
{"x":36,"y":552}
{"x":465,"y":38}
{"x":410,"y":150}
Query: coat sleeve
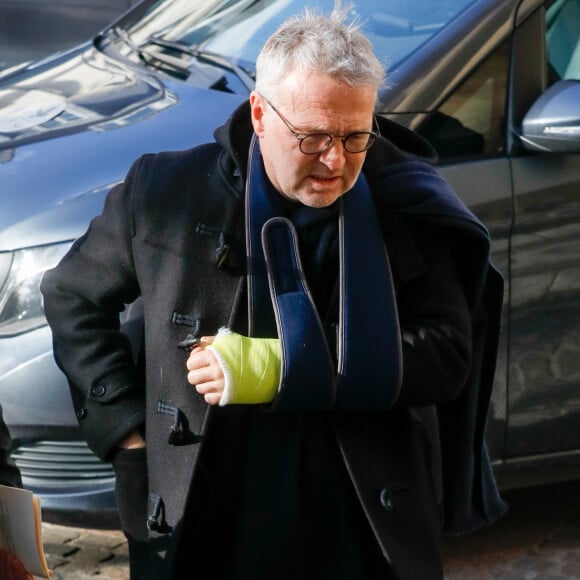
{"x":454,"y":367}
{"x":83,"y":298}
{"x":434,"y":316}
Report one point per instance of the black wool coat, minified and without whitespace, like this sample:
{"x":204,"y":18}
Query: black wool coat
{"x":172,"y":234}
{"x":9,"y":473}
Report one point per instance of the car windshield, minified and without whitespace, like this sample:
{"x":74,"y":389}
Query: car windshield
{"x":237,"y":29}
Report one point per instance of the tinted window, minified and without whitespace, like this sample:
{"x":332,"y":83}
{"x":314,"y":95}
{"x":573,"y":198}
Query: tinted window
{"x":563,"y":39}
{"x":471,"y":121}
{"x":239,"y":28}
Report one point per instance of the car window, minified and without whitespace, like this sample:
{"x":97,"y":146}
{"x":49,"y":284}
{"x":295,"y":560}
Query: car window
{"x":471,"y":122}
{"x":239,"y":28}
{"x":563,"y":39}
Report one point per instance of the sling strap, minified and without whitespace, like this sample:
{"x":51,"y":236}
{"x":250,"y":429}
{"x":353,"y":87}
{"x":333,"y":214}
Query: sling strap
{"x":368,"y":374}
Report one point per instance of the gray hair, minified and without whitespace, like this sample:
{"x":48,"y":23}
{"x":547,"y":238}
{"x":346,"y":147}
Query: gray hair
{"x":322,"y":44}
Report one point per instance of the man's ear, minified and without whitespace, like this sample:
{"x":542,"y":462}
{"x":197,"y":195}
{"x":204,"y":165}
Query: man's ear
{"x":257,"y":112}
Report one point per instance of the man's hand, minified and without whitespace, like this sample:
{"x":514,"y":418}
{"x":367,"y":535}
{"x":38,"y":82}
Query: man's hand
{"x":132,"y":441}
{"x":205,"y":372}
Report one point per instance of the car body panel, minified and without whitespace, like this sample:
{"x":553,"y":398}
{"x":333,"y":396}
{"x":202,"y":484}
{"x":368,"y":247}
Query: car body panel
{"x":94,"y":149}
{"x":30,"y":355}
{"x":544,"y":372}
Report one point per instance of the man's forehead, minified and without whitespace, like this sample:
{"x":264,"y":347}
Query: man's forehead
{"x":318,"y":103}
{"x":302,"y":87}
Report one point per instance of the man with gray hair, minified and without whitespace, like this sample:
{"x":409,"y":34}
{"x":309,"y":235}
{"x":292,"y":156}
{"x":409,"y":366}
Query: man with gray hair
{"x":339,"y":315}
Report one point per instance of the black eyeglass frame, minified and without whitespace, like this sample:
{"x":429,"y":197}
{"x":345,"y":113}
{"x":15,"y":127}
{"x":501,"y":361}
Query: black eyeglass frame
{"x":344,"y":138}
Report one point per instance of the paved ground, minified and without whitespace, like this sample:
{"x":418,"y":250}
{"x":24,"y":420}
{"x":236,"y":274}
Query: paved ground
{"x":538,"y":540}
{"x":80,"y":554}
{"x":554,"y":557}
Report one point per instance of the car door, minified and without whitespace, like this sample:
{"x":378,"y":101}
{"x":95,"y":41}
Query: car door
{"x":544,"y":325}
{"x":468,"y":130}
{"x":530,"y":201}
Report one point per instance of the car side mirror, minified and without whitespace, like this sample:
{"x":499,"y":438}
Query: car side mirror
{"x":553,"y":122}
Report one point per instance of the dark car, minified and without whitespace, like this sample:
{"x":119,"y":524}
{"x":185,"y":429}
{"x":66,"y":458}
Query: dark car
{"x":493,"y":84}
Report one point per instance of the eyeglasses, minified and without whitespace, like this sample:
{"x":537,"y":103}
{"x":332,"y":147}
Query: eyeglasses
{"x":316,"y":143}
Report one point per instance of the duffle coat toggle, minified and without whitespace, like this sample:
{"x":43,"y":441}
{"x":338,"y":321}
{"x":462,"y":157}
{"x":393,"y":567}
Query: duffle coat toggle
{"x":387,"y":493}
{"x":188,"y":343}
{"x":179,"y":432}
{"x":222,"y":250}
{"x":156,"y":519}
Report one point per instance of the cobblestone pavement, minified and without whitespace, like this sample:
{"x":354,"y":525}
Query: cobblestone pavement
{"x":555,"y":557}
{"x":79,"y":554}
{"x":538,"y":539}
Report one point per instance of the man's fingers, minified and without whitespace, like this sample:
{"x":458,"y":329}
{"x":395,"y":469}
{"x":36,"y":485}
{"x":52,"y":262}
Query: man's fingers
{"x":213,"y":398}
{"x":200,"y":358}
{"x":208,"y":387}
{"x":211,"y":391}
{"x":205,"y":374}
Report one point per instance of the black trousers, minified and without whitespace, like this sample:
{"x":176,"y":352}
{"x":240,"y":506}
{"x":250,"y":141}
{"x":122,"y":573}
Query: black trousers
{"x":131,"y":489}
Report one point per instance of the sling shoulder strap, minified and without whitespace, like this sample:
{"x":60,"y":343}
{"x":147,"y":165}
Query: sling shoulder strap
{"x":368,"y":372}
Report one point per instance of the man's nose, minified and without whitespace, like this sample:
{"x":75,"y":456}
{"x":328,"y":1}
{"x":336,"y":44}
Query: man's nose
{"x":334,"y":156}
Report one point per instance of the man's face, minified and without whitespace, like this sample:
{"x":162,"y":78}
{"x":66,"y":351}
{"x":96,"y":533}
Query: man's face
{"x":312,"y":103}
